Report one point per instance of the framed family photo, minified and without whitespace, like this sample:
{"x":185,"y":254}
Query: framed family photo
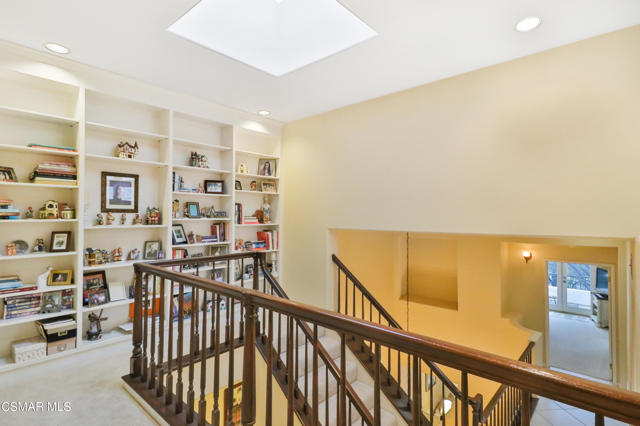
{"x":267,"y":167}
{"x":119,"y":192}
{"x":92,"y":282}
{"x":151,"y":249}
{"x":193,"y":210}
{"x":269,"y":187}
{"x":178,"y":235}
{"x":214,"y":187}
{"x":60,"y":241}
{"x":60,"y":277}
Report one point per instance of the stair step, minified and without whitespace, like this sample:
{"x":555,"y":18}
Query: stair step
{"x":283,"y":333}
{"x":365,"y":393}
{"x":352,"y":372}
{"x":331,"y":345}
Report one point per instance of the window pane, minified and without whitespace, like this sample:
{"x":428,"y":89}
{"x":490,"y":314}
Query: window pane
{"x":578,"y":281}
{"x":552,"y":280}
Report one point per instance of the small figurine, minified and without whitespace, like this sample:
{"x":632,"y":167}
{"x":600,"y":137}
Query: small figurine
{"x":29,"y":213}
{"x":99,"y":219}
{"x":199,"y":160}
{"x":68,"y":212}
{"x":123,"y":219}
{"x":253,"y":186}
{"x":11,"y":249}
{"x":191,"y":237}
{"x":116,"y":255}
{"x":175,"y":208}
{"x":242,"y":168}
{"x":38,"y":246}
{"x":153,"y":216}
{"x":200,"y":189}
{"x":136,"y":219}
{"x":95,"y":329}
{"x":110,"y":218}
{"x":50,"y":210}
{"x":126,"y":150}
{"x":134,"y":254}
{"x":266,"y":211}
{"x":43,"y":279}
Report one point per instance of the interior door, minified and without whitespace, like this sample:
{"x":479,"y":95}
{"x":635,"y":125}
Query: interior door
{"x":570,"y":285}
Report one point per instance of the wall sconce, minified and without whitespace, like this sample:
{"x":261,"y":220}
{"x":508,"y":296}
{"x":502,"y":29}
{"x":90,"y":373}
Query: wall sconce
{"x":527,"y":255}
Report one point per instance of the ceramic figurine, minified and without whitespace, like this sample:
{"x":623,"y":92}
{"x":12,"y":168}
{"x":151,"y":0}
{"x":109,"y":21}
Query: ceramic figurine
{"x":242,"y":168}
{"x":116,"y":255}
{"x":175,"y":208}
{"x":99,"y":219}
{"x":95,"y":329}
{"x":43,"y":278}
{"x":123,"y":219}
{"x":136,"y":219}
{"x":38,"y":247}
{"x":126,"y":150}
{"x":11,"y":249}
{"x":110,"y":218}
{"x":266,"y":211}
{"x":153,"y":216}
{"x":134,"y":254}
{"x":199,"y":160}
{"x":68,"y":212}
{"x":29,"y":213}
{"x":200,"y":189}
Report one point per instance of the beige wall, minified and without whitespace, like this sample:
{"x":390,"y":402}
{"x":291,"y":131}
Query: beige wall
{"x":542,"y":145}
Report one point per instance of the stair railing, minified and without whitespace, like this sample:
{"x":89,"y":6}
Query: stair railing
{"x":196,"y":379}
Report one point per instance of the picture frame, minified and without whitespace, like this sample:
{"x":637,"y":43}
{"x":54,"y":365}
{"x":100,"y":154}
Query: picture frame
{"x":178,"y":236}
{"x":51,"y":302}
{"x":267,"y":166}
{"x":253,"y":186}
{"x":269,"y":187}
{"x":8,"y":174}
{"x":98,"y":297}
{"x":238,"y":186}
{"x":60,"y":277}
{"x":193,"y":209}
{"x":117,"y":291}
{"x":151,"y":250}
{"x":214,"y":187}
{"x":236,"y":405}
{"x":60,"y":241}
{"x":119,"y":192}
{"x":91,"y":281}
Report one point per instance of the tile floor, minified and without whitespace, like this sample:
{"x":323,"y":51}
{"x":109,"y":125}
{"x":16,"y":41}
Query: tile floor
{"x":552,"y":413}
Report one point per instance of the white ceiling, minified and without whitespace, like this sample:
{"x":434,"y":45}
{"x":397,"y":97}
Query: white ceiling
{"x":419,"y":41}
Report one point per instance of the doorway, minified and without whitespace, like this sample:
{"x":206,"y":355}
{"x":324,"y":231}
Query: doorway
{"x":578,"y":306}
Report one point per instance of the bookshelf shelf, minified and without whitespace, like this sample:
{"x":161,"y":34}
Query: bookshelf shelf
{"x":108,"y":305}
{"x":201,"y":169}
{"x":256,"y":154}
{"x":123,"y":131}
{"x":213,"y":219}
{"x":251,"y":175}
{"x":39,"y":151}
{"x":37,"y":317}
{"x":38,"y":185}
{"x":199,"y":144}
{"x":35,"y":115}
{"x":253,"y":225}
{"x":117,"y":160}
{"x":223,"y":243}
{"x":128,"y":227}
{"x":44,"y":290}
{"x":113,"y":265}
{"x":200,"y":194}
{"x":37,"y":255}
{"x":242,"y":191}
{"x":32,"y":221}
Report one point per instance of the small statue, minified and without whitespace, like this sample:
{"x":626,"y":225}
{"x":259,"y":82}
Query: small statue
{"x":95,"y":329}
{"x":191,"y":237}
{"x":99,"y":219}
{"x":266,"y":211}
{"x":38,"y":247}
{"x":110,"y":218}
{"x":134,"y":254}
{"x":29,"y":213}
{"x":116,"y":255}
{"x":11,"y":249}
{"x":123,"y":219}
{"x":199,"y":160}
{"x":126,"y":150}
{"x":242,"y":168}
{"x":137,"y":220}
{"x":175,"y":208}
{"x":200,"y":189}
{"x":43,"y":279}
{"x":153,"y":216}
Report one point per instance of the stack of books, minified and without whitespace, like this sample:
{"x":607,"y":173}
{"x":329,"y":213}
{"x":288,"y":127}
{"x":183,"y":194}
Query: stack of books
{"x":13,"y":284}
{"x":250,"y":220}
{"x":271,"y":239}
{"x":57,"y":173}
{"x":7,"y":211}
{"x":220,"y":231}
{"x":21,"y":306}
{"x":52,"y":147}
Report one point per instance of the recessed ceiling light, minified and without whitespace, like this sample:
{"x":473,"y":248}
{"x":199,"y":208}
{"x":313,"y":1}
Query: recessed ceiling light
{"x":527,"y":24}
{"x":57,"y":48}
{"x":277,"y":36}
{"x":264,"y":112}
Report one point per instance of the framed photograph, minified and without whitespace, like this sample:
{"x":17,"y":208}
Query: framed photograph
{"x":236,"y":405}
{"x":193,"y":209}
{"x":117,"y":291}
{"x":214,"y":187}
{"x":119,"y":193}
{"x":178,"y":235}
{"x":60,"y":277}
{"x":92,"y":281}
{"x":267,"y":167}
{"x":151,"y":249}
{"x":51,"y":302}
{"x":253,"y":186}
{"x":7,"y":174}
{"x":98,"y":297}
{"x":60,"y":241}
{"x":238,"y":185}
{"x":269,"y":187}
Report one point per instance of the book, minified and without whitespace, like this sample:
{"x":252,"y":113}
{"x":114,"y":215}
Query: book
{"x":52,"y":147}
{"x":19,"y":289}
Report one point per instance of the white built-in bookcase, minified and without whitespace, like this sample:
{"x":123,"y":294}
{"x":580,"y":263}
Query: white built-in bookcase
{"x":37,"y":110}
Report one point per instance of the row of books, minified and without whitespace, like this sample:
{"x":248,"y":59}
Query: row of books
{"x":13,"y":284}
{"x":55,"y":172}
{"x":7,"y":211}
{"x":21,"y":306}
{"x":271,"y":239}
{"x":220,"y":231}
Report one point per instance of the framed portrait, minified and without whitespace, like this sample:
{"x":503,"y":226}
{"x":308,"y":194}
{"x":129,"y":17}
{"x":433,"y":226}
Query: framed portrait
{"x":151,"y":249}
{"x":193,"y":209}
{"x":51,"y":302}
{"x":267,"y":167}
{"x":235,"y":399}
{"x":178,"y":236}
{"x":60,"y":241}
{"x":60,"y":277}
{"x":214,"y":187}
{"x":7,"y":174}
{"x":119,"y":192}
{"x":238,"y":185}
{"x":92,"y":281}
{"x":98,"y":297}
{"x":253,"y":186}
{"x":269,"y":187}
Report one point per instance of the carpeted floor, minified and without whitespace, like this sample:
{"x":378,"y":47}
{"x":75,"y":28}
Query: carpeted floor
{"x":577,"y":345}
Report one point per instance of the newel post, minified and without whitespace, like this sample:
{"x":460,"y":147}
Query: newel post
{"x":249,"y":363}
{"x":136,"y":355}
{"x":477,"y":410}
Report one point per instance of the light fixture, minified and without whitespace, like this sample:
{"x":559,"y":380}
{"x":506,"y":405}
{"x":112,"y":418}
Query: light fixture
{"x":527,"y":255}
{"x":57,"y":48}
{"x":264,"y":112}
{"x":274,"y":36}
{"x":527,"y":24}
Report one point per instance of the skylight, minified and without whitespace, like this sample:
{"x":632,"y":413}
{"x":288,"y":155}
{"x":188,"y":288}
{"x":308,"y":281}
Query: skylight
{"x":274,"y":36}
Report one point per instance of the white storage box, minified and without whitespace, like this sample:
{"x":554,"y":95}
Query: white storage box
{"x":28,"y":349}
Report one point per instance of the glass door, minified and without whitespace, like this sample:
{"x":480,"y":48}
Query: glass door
{"x":571,"y":284}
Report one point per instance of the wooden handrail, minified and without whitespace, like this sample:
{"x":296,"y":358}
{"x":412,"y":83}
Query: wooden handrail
{"x":595,"y":397}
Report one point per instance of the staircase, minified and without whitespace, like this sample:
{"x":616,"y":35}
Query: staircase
{"x":184,"y":355}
